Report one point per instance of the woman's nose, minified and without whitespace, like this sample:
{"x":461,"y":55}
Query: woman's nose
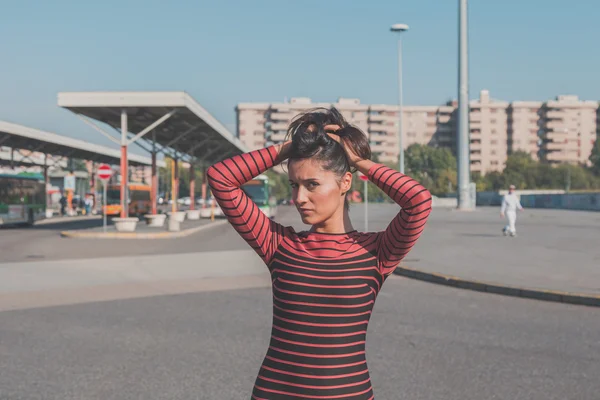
{"x":300,"y":197}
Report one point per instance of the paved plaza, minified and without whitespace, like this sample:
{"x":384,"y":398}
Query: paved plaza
{"x":190,"y":318}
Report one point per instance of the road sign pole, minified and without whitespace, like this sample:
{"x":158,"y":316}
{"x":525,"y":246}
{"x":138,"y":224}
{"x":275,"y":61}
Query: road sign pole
{"x":104,"y":207}
{"x":104,"y":173}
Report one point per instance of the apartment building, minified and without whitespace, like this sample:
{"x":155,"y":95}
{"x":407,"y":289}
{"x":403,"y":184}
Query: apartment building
{"x":561,"y":130}
{"x":524,"y":126}
{"x":569,"y":130}
{"x":260,"y":124}
{"x":488,"y":124}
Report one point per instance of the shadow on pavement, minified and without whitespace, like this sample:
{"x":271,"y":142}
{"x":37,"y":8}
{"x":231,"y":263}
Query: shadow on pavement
{"x":71,"y":225}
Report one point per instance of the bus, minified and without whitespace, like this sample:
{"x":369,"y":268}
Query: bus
{"x":22,"y":199}
{"x":138,"y":199}
{"x":259,"y":191}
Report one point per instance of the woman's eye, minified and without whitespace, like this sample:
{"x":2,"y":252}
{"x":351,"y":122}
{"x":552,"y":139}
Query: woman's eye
{"x":313,"y":184}
{"x":293,"y":185}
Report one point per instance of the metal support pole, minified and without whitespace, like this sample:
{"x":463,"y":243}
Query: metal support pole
{"x":154,"y":184}
{"x":400,"y":101}
{"x":366,"y":190}
{"x":464,"y":200}
{"x":174,"y":185}
{"x":124,"y":166}
{"x":192,"y":187}
{"x":204,"y":187}
{"x":93,"y":188}
{"x":46,"y":181}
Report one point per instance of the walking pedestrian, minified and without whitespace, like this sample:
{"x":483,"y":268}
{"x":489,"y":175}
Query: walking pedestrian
{"x":510,"y":205}
{"x":63,"y":204}
{"x":324,"y":280}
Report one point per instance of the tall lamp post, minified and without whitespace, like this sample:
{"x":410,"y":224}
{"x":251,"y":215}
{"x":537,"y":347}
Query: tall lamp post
{"x":465,"y":202}
{"x":399,"y":28}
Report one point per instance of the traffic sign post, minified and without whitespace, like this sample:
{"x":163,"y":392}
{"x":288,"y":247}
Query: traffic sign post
{"x":365,"y":180}
{"x":104,"y":174}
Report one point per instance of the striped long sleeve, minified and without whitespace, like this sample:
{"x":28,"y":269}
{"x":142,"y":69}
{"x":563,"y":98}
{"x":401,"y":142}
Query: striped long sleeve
{"x":401,"y":234}
{"x":225,"y":180}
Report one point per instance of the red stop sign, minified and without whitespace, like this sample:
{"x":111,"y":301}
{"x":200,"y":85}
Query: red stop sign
{"x":363,"y":177}
{"x":104,"y":172}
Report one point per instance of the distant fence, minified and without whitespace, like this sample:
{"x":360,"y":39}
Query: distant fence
{"x":444,"y":202}
{"x":546,"y":199}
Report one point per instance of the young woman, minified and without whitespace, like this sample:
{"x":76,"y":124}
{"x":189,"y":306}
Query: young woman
{"x":324,"y":280}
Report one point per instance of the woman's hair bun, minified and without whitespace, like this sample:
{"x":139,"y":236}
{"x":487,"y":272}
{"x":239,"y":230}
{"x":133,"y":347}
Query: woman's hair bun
{"x":310,"y":140}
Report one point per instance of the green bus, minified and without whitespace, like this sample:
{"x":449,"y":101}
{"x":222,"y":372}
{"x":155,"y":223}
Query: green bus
{"x":22,"y":199}
{"x":259,"y":191}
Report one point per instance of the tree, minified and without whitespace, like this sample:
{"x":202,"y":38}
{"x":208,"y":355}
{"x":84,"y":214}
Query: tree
{"x":595,"y":157}
{"x":280,"y":185}
{"x":520,"y":170}
{"x":434,"y":167}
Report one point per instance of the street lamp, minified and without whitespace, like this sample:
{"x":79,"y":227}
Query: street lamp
{"x":399,"y":28}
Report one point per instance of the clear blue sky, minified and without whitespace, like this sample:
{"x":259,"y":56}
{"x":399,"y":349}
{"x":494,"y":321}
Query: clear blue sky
{"x":225,"y":52}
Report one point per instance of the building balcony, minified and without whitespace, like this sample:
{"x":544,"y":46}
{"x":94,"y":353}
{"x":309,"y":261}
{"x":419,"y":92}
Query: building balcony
{"x":475,"y":146}
{"x":475,"y":116}
{"x":277,"y":137}
{"x":555,"y":115}
{"x":475,"y":124}
{"x":445,"y":128}
{"x":552,"y":146}
{"x":385,"y":129}
{"x":280,"y":116}
{"x":560,"y":156}
{"x":556,"y":136}
{"x":556,"y":125}
{"x":383,"y":118}
{"x":379,"y":148}
{"x":279,"y":126}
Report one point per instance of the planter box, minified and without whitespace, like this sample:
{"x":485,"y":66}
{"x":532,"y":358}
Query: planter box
{"x":155,"y":220}
{"x":125,"y":224}
{"x":193,"y":215}
{"x":173,"y":225}
{"x":178,"y":216}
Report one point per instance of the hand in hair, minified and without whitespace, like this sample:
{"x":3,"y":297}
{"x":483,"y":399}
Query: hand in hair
{"x":336,"y":132}
{"x":354,"y":143}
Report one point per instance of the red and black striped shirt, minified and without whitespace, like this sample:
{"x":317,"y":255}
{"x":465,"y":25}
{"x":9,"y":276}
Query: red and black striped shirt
{"x":324,"y":285}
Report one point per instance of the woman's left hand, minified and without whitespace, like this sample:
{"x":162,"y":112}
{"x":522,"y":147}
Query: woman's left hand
{"x":331,"y":130}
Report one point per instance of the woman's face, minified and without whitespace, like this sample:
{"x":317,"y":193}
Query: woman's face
{"x":318,"y":194}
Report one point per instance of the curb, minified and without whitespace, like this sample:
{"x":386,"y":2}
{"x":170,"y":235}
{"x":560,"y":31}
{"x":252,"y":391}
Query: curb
{"x":64,"y":220}
{"x":137,"y":235}
{"x":505,"y":290}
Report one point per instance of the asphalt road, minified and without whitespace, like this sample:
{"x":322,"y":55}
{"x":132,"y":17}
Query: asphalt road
{"x":424,"y":342}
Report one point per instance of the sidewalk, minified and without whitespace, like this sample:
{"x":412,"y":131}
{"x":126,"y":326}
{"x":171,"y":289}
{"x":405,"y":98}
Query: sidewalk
{"x":48,"y":283}
{"x":556,"y":253}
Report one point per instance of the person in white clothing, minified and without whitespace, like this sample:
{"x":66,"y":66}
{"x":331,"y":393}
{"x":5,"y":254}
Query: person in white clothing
{"x":510,"y":205}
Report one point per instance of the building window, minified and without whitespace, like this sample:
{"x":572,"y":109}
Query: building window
{"x":494,"y":142}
